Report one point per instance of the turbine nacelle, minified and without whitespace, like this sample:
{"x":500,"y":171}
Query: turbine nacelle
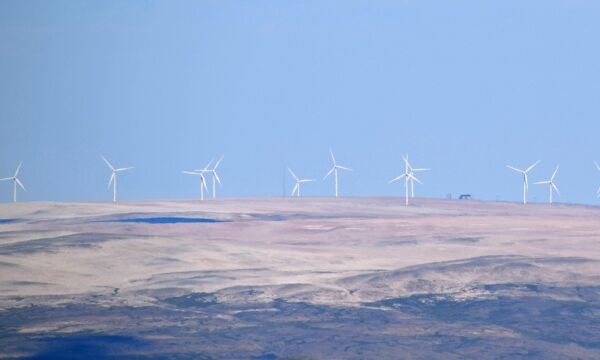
{"x":113,"y":177}
{"x":16,"y":181}
{"x":334,"y":170}
{"x":213,"y":173}
{"x":201,"y":172}
{"x":296,"y":189}
{"x":552,"y":186}
{"x":408,"y":176}
{"x":410,"y":170}
{"x":525,"y":178}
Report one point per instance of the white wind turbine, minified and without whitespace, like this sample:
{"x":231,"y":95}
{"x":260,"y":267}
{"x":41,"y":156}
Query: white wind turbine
{"x":408,"y":176}
{"x":201,"y":173}
{"x":334,"y":170}
{"x":113,"y":177}
{"x":525,"y":179}
{"x":412,"y":179}
{"x":215,"y":177}
{"x":16,"y":181}
{"x":299,"y":181}
{"x":550,"y":184}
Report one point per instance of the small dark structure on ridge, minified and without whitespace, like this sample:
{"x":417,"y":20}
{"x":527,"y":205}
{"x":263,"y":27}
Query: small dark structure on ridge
{"x":464,"y":197}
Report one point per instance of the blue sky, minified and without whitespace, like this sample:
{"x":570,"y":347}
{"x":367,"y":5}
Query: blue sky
{"x":464,"y":87}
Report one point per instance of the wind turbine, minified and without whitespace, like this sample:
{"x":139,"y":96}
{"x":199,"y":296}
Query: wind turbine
{"x":16,"y":181}
{"x":215,"y":177}
{"x":202,"y":178}
{"x":408,"y":176}
{"x":113,"y":177}
{"x":334,"y":170}
{"x":299,"y":181}
{"x":525,"y":180}
{"x":412,"y":179}
{"x":551,"y":184}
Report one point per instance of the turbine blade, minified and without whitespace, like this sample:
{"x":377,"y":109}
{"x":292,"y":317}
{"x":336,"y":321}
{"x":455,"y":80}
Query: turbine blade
{"x":526,"y":181}
{"x":218,"y":162}
{"x":515,"y":169}
{"x":406,"y":163}
{"x":329,"y":173}
{"x":332,"y":157}
{"x":112,"y":177}
{"x":205,"y":169}
{"x":555,"y":188}
{"x":214,"y":173}
{"x":293,"y":175}
{"x":207,"y":165}
{"x":124,"y":169}
{"x":190,"y":173}
{"x":306,"y":180}
{"x":203,"y":182}
{"x":597,"y":166}
{"x":396,"y":178}
{"x":542,"y":182}
{"x":415,"y":179}
{"x":5,"y":179}
{"x":422,"y":169}
{"x":20,"y":184}
{"x":532,"y":166}
{"x":295,"y":188}
{"x":18,"y":169}
{"x":343,"y":168}
{"x":554,"y":173}
{"x":107,"y":163}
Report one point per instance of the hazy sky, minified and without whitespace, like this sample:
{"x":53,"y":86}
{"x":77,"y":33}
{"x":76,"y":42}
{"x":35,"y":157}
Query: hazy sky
{"x":464,"y":87}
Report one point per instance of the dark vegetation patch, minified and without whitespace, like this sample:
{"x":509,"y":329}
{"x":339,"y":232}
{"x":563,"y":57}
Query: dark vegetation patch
{"x":83,"y":240}
{"x":24,"y":234}
{"x":27,"y":283}
{"x":464,"y":240}
{"x":199,"y":275}
{"x":532,"y":314}
{"x":566,"y":260}
{"x":397,"y":242}
{"x":194,"y":300}
{"x":166,"y":220}
{"x":482,"y":263}
{"x":270,"y":217}
{"x":163,"y":260}
{"x":265,"y":357}
{"x":545,"y":328}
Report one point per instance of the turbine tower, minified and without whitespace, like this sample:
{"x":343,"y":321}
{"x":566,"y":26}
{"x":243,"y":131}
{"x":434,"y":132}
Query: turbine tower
{"x":408,"y":176}
{"x":201,"y":173}
{"x":525,"y":180}
{"x":334,"y":170}
{"x":551,"y":184}
{"x":215,"y":177}
{"x":299,"y":181}
{"x":16,"y":181}
{"x":113,"y":177}
{"x":412,"y":179}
